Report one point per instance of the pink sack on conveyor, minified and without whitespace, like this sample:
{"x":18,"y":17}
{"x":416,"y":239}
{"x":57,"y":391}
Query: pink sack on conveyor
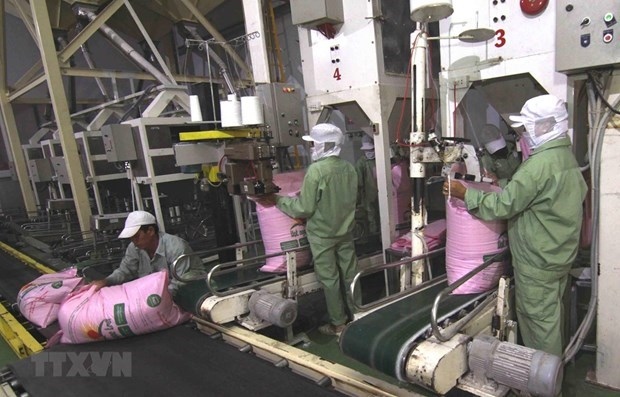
{"x":40,"y":299}
{"x":281,"y":232}
{"x":434,"y":237}
{"x":469,"y":241}
{"x":137,"y":307}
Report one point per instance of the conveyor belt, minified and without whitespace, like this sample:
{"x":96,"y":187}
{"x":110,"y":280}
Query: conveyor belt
{"x":180,"y":361}
{"x":15,"y":275}
{"x":383,"y":338}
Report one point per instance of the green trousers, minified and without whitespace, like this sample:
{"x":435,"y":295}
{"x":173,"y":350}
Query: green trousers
{"x":540,"y":312}
{"x":335,"y":266}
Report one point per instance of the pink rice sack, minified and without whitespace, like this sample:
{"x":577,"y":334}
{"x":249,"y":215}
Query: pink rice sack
{"x":137,"y":307}
{"x":401,"y":195}
{"x":40,"y":299}
{"x":281,"y":232}
{"x":434,"y":237}
{"x":469,"y":241}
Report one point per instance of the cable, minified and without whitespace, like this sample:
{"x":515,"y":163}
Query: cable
{"x":144,"y":94}
{"x":598,"y":119}
{"x":598,"y":93}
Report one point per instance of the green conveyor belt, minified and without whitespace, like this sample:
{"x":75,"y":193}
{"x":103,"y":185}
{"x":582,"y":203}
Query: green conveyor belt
{"x":383,"y":338}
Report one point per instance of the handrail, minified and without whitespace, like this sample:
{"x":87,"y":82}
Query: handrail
{"x":376,"y":269}
{"x":453,"y":331}
{"x":231,"y":266}
{"x":205,"y":253}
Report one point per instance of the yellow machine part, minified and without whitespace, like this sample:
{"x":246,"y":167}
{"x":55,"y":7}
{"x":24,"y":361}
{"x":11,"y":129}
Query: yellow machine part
{"x":219,"y":134}
{"x":14,"y":333}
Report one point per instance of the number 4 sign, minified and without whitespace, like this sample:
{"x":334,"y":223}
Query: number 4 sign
{"x":337,"y":74}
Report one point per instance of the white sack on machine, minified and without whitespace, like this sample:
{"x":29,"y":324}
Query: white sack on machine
{"x":40,"y":299}
{"x":281,"y":232}
{"x":469,"y":241}
{"x":137,"y":307}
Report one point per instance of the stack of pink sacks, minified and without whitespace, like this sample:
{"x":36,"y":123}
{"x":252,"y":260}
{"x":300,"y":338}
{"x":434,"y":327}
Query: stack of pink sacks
{"x":137,"y":307}
{"x":434,"y":237}
{"x":84,"y":315}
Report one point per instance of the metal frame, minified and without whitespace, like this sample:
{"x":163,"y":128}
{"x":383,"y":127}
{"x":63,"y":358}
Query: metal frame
{"x":152,"y":179}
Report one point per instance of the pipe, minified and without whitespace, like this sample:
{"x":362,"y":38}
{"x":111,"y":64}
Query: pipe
{"x":91,"y":65}
{"x":128,"y":49}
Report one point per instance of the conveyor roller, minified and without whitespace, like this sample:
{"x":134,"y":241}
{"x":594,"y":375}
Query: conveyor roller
{"x":384,"y":338}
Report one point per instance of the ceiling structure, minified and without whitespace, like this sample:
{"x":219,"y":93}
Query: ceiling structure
{"x":121,"y":21}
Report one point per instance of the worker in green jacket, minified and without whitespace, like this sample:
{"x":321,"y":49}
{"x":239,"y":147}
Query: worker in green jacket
{"x":327,"y":202}
{"x":499,"y":156}
{"x":543,"y":206}
{"x":367,"y":211}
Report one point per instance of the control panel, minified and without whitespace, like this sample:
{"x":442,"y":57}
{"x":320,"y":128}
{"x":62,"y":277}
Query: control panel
{"x":284,"y":111}
{"x":586,"y":34}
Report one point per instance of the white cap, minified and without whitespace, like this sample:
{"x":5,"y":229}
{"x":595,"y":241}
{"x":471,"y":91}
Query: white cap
{"x":367,"y":143}
{"x":544,"y":117}
{"x":539,"y":109}
{"x":494,"y":146}
{"x":134,"y":221}
{"x":325,"y":133}
{"x":492,"y":139}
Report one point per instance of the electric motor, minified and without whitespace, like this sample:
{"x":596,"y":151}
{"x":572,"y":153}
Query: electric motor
{"x":516,"y":366}
{"x":273,"y":308}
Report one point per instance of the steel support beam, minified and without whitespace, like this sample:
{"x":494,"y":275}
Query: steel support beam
{"x":149,"y":41}
{"x":253,"y":15}
{"x":88,"y":31}
{"x":10,"y":127}
{"x":61,"y":112}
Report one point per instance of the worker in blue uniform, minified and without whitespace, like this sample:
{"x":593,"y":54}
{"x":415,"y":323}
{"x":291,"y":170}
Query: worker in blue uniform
{"x":542,"y":203}
{"x":327,"y":202}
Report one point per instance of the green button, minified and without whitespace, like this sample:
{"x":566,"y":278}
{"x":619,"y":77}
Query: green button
{"x":608,"y":17}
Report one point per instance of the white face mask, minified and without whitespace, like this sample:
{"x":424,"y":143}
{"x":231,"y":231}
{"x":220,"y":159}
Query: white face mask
{"x":319,"y":152}
{"x":543,"y":131}
{"x":370,"y":155}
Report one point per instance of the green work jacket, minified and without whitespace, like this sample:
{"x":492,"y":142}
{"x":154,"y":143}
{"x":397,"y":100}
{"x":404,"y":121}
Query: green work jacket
{"x":543,"y":205}
{"x":503,"y":167}
{"x":327,"y":198}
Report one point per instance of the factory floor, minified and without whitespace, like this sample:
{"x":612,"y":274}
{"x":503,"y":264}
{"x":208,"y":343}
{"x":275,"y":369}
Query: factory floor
{"x":575,"y":383}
